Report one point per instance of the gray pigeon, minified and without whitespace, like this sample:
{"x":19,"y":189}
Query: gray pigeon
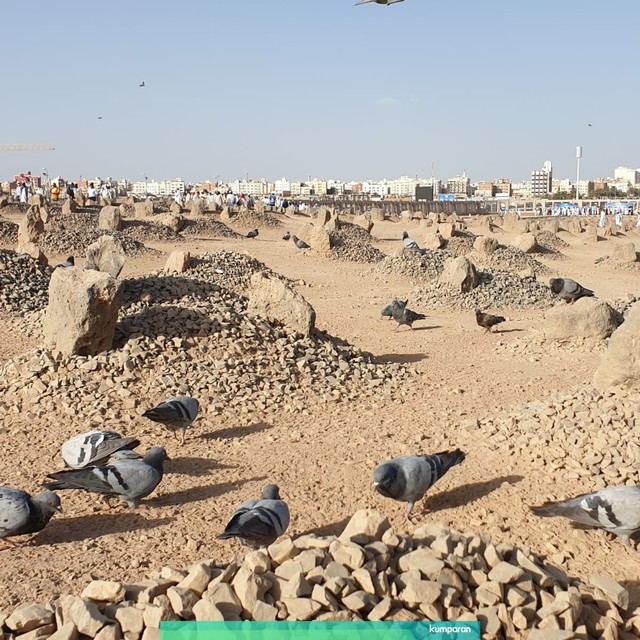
{"x":252,"y":234}
{"x":394,"y":305}
{"x":409,"y":243}
{"x":301,"y":244}
{"x":569,"y":290}
{"x":614,"y":509}
{"x":286,"y":236}
{"x":20,"y":513}
{"x":176,"y":414}
{"x":405,"y":316}
{"x":258,"y":523}
{"x":69,"y":262}
{"x":130,"y":480}
{"x":95,"y":447}
{"x":408,"y":478}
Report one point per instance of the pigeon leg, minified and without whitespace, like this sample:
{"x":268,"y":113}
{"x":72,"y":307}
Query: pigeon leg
{"x":184,"y":433}
{"x":10,"y":544}
{"x":407,"y":513}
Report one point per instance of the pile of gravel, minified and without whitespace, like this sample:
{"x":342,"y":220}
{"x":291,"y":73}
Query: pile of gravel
{"x":207,"y":227}
{"x":576,"y":434}
{"x":145,"y":230}
{"x":353,"y":244}
{"x":24,"y":283}
{"x":8,"y":232}
{"x":252,"y":219}
{"x":427,"y":265}
{"x":498,"y":290}
{"x":461,"y":244}
{"x":550,"y":240}
{"x":509,"y":258}
{"x":368,"y":573}
{"x":71,"y":242}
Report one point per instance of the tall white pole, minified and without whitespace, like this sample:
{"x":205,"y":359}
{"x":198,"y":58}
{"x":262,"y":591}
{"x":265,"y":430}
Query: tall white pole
{"x":578,"y":156}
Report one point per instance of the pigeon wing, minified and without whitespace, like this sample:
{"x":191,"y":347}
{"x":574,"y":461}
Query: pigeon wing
{"x":14,"y":511}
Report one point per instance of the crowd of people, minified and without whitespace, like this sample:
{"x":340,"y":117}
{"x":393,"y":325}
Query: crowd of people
{"x":216,"y":200}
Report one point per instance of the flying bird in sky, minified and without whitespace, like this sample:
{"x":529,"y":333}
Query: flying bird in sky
{"x":99,"y":117}
{"x":142,"y":84}
{"x":387,"y":2}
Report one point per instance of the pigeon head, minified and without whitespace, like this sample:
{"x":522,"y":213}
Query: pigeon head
{"x":71,"y":260}
{"x":48,"y":502}
{"x":271,"y":492}
{"x":294,"y":238}
{"x":556,"y":284}
{"x":405,"y":235}
{"x":387,"y":480}
{"x":156,"y":456}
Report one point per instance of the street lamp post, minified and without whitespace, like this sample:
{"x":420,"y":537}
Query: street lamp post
{"x":578,"y":156}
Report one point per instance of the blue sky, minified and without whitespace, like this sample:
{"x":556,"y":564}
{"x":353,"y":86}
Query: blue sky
{"x":321,"y":87}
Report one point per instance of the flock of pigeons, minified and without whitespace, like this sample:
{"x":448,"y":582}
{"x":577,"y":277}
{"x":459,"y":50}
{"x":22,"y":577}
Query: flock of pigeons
{"x":106,"y":463}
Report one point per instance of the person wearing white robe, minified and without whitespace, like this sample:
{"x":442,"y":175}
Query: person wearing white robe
{"x":618,"y":218}
{"x":603,"y":218}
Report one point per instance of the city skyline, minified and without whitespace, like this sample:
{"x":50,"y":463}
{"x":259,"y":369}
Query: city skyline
{"x":323,"y":89}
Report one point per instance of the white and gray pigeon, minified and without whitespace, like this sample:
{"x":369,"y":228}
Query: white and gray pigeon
{"x":407,"y":479}
{"x":286,"y":236}
{"x":614,"y":509}
{"x":569,"y":290}
{"x":409,"y":243}
{"x":176,"y":414}
{"x":21,"y":513}
{"x":393,"y":307}
{"x":301,"y":244}
{"x":69,"y":262}
{"x":258,"y":523}
{"x":95,"y":447}
{"x":129,"y":480}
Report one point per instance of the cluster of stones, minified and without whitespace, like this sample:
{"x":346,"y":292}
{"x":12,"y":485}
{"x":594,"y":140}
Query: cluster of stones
{"x":190,"y":335}
{"x":367,"y":573}
{"x":508,"y":258}
{"x":8,"y":232}
{"x":577,"y":434}
{"x":207,"y":227}
{"x":352,"y":243}
{"x":498,"y":290}
{"x":252,"y":219}
{"x":624,"y":256}
{"x":413,"y":264}
{"x":23,"y":283}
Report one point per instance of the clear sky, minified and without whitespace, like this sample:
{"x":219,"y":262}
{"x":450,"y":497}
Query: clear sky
{"x":321,"y":87}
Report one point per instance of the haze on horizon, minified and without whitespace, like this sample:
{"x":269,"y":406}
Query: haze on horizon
{"x":321,"y":88}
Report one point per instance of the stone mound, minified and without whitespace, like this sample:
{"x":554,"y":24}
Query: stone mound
{"x":208,"y":227}
{"x":352,"y":243}
{"x":427,"y":265}
{"x":509,"y":259}
{"x":368,"y":573}
{"x":8,"y":232}
{"x":460,"y":244}
{"x":498,"y":290}
{"x":576,"y":434}
{"x":551,"y":241}
{"x":24,"y":283}
{"x":248,"y":219}
{"x":71,"y":242}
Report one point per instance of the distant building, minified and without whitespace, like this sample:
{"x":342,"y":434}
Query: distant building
{"x":502,"y":186}
{"x":434,"y":183}
{"x":485,"y":190}
{"x":541,"y":180}
{"x":375,"y":188}
{"x":521,"y":189}
{"x":460,"y":185}
{"x":632,"y":176}
{"x":402,"y":187}
{"x":561,"y":185}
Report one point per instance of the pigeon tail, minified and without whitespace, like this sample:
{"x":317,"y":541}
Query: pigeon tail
{"x":450,"y":459}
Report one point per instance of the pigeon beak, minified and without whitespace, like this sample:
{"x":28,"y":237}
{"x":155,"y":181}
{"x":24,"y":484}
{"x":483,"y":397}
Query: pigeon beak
{"x":375,"y":486}
{"x":59,"y":510}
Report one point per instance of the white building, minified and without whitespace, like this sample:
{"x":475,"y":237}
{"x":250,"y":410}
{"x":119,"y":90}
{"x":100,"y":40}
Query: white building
{"x":541,"y":180}
{"x":319,"y":187}
{"x":521,"y":189}
{"x":632,"y":176}
{"x":154,"y":188}
{"x":460,"y":185}
{"x":435,"y":183}
{"x":282,"y":185}
{"x":402,"y":187}
{"x":561,"y":185}
{"x":375,"y":188}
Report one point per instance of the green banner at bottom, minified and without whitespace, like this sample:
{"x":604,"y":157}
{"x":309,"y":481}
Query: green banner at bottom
{"x":287,"y":630}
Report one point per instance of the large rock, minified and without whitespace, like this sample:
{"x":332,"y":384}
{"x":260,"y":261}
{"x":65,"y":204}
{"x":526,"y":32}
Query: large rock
{"x":32,"y":250}
{"x":106,"y":254}
{"x":625,"y":252}
{"x":196,"y":207}
{"x":485,"y":244}
{"x":321,"y":215}
{"x":377,"y":214}
{"x":526,"y":242}
{"x":143,"y":209}
{"x":364,"y":221}
{"x":447,"y":229}
{"x":620,"y":365}
{"x":272,"y":298}
{"x":109,"y":219}
{"x":318,"y":238}
{"x":178,"y":261}
{"x":79,"y":197}
{"x":365,"y":525}
{"x":173,"y":222}
{"x":37,"y":200}
{"x":82,"y":312}
{"x":459,"y":273}
{"x":69,"y":206}
{"x":31,"y":226}
{"x":433,"y":240}
{"x":175,"y":208}
{"x":585,"y":318}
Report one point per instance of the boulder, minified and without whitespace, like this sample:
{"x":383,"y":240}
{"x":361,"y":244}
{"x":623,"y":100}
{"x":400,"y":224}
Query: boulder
{"x":526,"y":242}
{"x":106,"y":254}
{"x":143,"y":209}
{"x":4,"y":201}
{"x":37,"y":200}
{"x":196,"y":207}
{"x":79,"y":197}
{"x":364,"y":221}
{"x":376,"y":214}
{"x":29,"y":617}
{"x":332,"y":224}
{"x":33,"y":250}
{"x":130,"y":200}
{"x":553,"y":225}
{"x":485,"y":245}
{"x":511,"y":221}
{"x":175,"y":208}
{"x":433,"y":240}
{"x":69,"y":206}
{"x":321,"y":215}
{"x":109,"y":219}
{"x":625,"y":253}
{"x":272,"y":298}
{"x":620,"y":365}
{"x":364,"y":527}
{"x":173,"y":222}
{"x":585,"y":318}
{"x":447,"y":229}
{"x":406,"y":215}
{"x":127,"y":210}
{"x":31,"y":226}
{"x":591,"y":235}
{"x":82,"y":312}
{"x":178,"y":261}
{"x":318,"y":238}
{"x":459,"y":273}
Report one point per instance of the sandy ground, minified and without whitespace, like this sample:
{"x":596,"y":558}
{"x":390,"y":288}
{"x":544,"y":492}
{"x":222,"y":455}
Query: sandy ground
{"x":326,"y":474}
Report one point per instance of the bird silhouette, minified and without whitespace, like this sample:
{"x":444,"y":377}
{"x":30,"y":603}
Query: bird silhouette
{"x":142,"y":84}
{"x":99,"y":117}
{"x":589,"y":125}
